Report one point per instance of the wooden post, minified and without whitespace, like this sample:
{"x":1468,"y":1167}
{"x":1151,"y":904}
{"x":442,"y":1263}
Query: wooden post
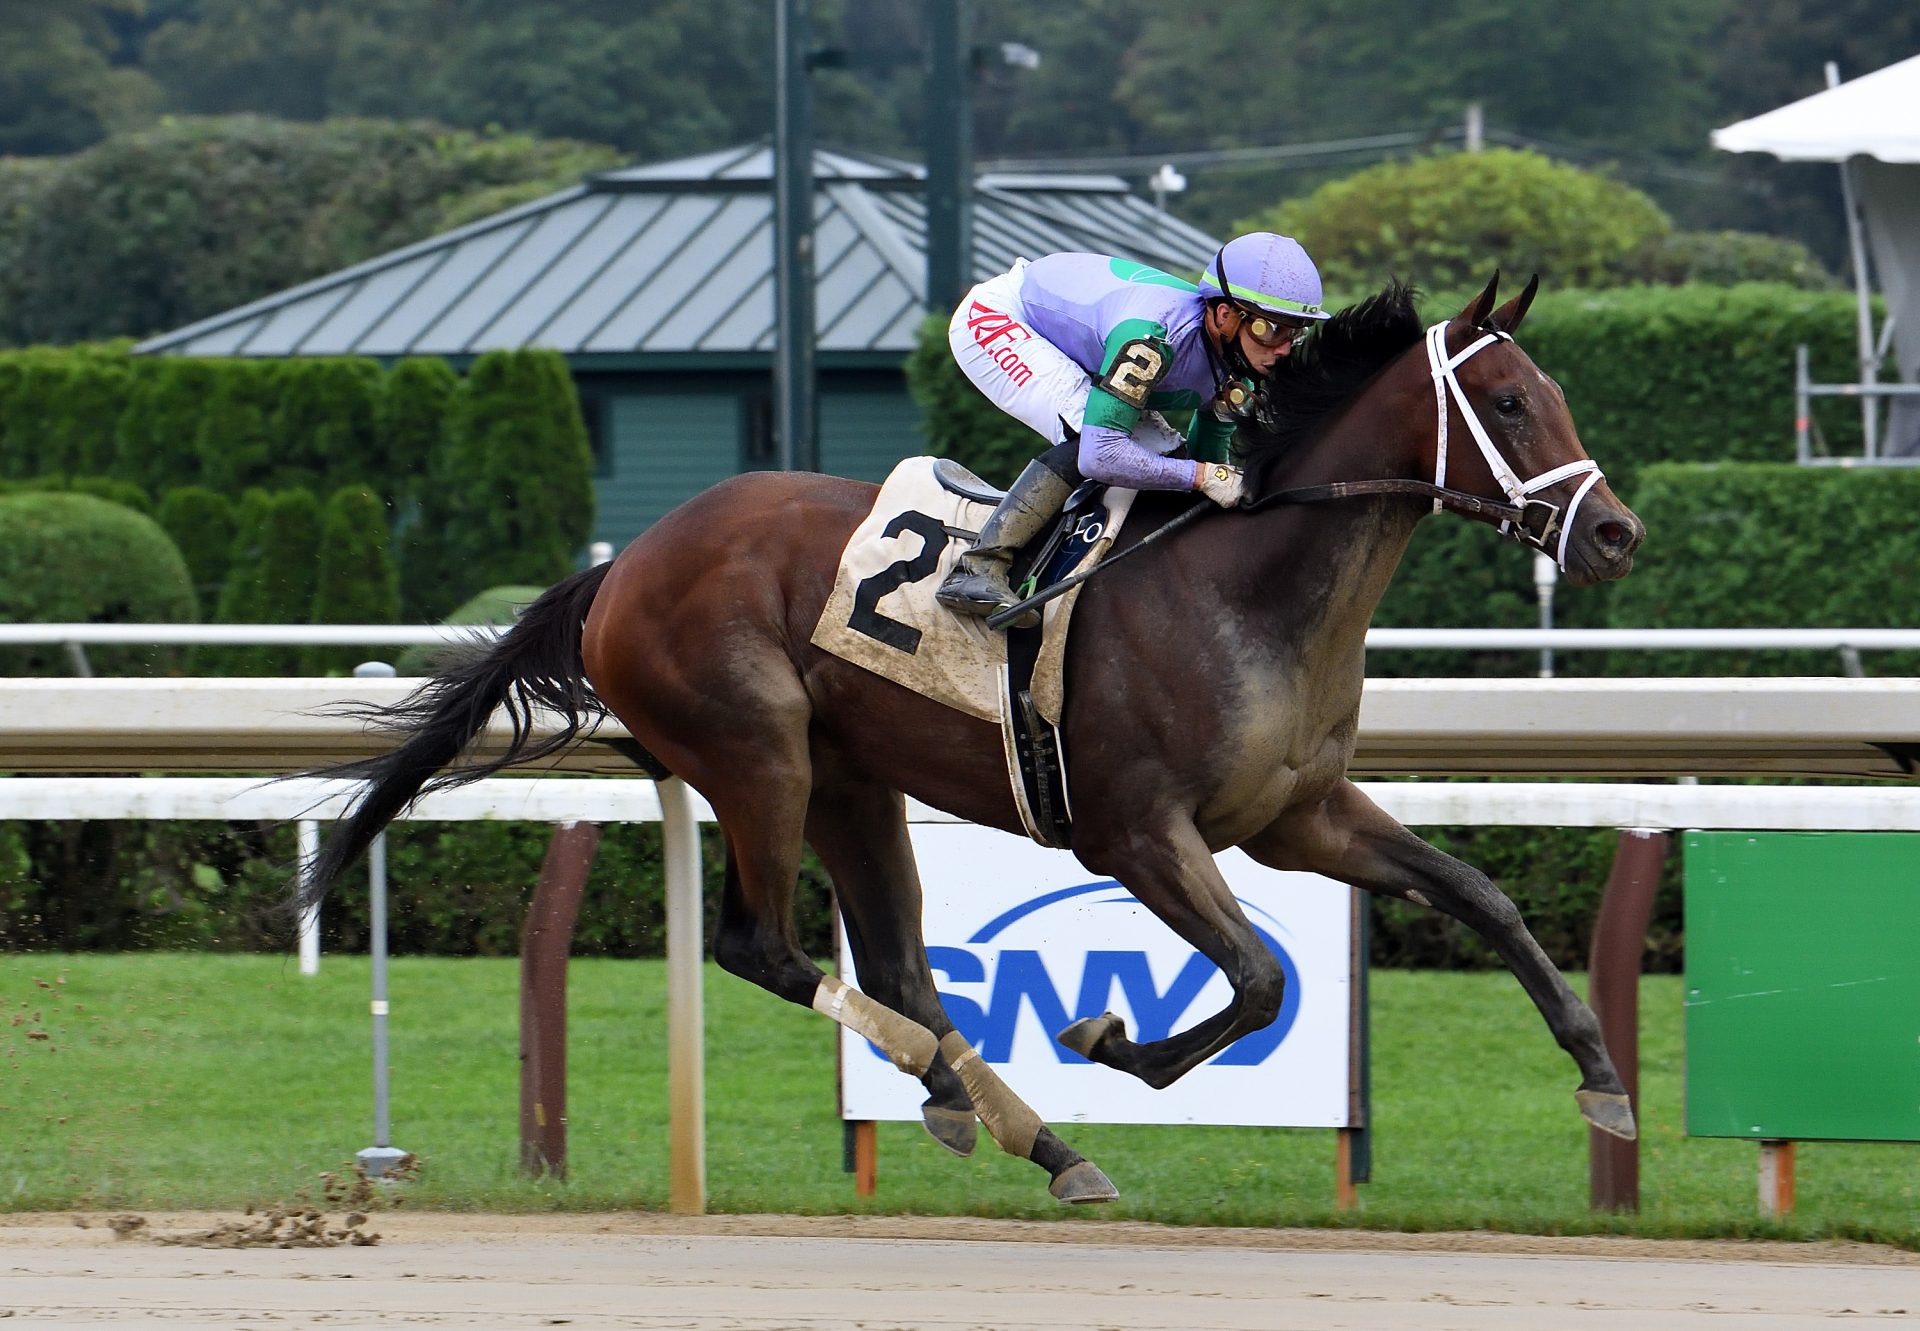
{"x":1776,"y":1179}
{"x":1353,"y":1144}
{"x":1345,"y":1195}
{"x":866,"y":1157}
{"x":1613,"y":991}
{"x":545,"y":940}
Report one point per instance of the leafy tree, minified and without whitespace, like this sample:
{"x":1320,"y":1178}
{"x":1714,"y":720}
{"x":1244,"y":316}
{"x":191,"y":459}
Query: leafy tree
{"x":61,"y":86}
{"x":1724,"y":258}
{"x":231,"y":210}
{"x":1444,"y":220}
{"x":269,"y":57}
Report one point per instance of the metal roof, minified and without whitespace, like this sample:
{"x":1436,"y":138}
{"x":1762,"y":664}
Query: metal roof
{"x":678,"y":257}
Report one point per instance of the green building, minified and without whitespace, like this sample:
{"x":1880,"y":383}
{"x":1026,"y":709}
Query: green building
{"x":656,"y":283}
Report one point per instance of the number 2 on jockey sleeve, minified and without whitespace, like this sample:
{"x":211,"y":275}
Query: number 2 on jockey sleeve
{"x":1136,"y":368}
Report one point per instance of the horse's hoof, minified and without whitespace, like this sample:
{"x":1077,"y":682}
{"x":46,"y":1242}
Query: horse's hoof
{"x":1083,"y":1183}
{"x":1085,"y":1035}
{"x":1608,"y":1112}
{"x":955,"y":1129}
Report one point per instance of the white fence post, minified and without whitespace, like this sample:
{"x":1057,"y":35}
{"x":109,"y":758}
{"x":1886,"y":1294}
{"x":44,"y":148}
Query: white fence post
{"x":309,"y":841}
{"x":686,"y":1059}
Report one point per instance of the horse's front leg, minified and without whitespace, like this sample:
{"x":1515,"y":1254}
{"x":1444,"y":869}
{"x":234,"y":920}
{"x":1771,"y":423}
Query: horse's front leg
{"x":1166,"y":865}
{"x":1349,"y":837}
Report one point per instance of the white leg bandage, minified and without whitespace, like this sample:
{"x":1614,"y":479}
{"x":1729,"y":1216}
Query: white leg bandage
{"x":1009,"y":1121}
{"x":910,"y":1045}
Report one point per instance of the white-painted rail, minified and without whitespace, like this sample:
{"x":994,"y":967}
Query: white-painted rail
{"x":1378,"y":639}
{"x":1563,"y":727}
{"x":1661,"y":807}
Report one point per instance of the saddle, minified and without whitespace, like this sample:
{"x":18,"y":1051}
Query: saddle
{"x":882,"y":617}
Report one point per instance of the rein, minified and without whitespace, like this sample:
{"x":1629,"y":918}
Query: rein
{"x":1530,"y":521}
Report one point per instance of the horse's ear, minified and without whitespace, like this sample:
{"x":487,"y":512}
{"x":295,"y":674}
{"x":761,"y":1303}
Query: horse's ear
{"x":1508,"y":316}
{"x":1475,"y":315}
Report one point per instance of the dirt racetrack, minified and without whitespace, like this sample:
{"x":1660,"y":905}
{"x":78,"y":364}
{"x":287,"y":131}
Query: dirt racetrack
{"x":747,"y":1273}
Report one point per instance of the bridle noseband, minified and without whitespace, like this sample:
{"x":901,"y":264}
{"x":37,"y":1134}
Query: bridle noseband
{"x":1538,"y":522}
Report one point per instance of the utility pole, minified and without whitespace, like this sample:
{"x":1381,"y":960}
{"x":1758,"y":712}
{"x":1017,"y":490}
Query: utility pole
{"x":795,"y":444}
{"x":1863,"y":285}
{"x":949,"y":154}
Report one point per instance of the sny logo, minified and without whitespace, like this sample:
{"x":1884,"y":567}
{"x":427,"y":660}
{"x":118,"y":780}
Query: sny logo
{"x":989,"y":1011}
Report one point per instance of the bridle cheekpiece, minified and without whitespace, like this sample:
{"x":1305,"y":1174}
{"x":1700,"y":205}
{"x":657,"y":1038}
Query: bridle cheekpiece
{"x":1539,"y":522}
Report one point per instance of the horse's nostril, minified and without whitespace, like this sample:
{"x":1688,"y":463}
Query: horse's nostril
{"x":1612,"y":534}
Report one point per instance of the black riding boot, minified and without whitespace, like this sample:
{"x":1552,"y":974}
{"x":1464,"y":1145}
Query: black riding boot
{"x":978,"y":583}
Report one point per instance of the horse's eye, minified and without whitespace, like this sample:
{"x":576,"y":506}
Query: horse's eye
{"x":1507,"y":404}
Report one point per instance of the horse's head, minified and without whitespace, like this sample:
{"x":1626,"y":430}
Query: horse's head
{"x":1503,"y":432}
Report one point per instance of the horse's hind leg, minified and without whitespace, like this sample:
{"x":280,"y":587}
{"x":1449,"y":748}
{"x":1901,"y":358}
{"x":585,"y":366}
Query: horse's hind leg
{"x":859,"y":830}
{"x":1349,"y":837}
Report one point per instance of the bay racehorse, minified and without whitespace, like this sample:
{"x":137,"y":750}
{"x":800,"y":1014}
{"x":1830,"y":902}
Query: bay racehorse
{"x":1213,"y":689}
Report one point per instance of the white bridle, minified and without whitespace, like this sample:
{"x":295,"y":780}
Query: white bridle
{"x":1517,"y":490}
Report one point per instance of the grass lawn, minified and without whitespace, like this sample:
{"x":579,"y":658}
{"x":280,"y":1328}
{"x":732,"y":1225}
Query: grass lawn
{"x":182,"y":1080}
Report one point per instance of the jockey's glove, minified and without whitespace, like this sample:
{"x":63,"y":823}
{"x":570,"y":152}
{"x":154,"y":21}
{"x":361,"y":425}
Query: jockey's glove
{"x":1225,"y":485}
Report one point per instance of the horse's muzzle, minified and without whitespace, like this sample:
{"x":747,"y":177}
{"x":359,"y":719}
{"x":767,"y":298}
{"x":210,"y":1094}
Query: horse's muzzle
{"x":1605,"y":535}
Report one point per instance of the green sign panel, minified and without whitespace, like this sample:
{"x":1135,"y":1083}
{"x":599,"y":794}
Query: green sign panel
{"x":1803,"y":985}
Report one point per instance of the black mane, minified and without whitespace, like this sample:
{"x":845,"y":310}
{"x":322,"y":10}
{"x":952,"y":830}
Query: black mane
{"x":1305,"y":389}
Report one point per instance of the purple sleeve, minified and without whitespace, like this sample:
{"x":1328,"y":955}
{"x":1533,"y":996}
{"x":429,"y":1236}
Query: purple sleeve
{"x":1110,"y":456}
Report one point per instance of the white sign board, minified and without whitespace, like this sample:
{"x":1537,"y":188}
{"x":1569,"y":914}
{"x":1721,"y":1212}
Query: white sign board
{"x":1024,"y":941}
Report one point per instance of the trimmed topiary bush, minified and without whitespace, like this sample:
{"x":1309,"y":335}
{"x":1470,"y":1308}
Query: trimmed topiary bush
{"x":323,"y":427}
{"x":270,"y":579}
{"x":510,"y":493}
{"x":201,"y":523}
{"x":155,"y":444}
{"x":234,"y":441}
{"x":356,"y":581}
{"x":412,"y":414}
{"x":72,"y":558}
{"x":1445,"y":221}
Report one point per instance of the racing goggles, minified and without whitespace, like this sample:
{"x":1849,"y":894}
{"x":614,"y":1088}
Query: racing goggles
{"x":1270,"y":330}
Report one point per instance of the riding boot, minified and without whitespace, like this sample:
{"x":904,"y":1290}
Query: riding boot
{"x":978,"y":583}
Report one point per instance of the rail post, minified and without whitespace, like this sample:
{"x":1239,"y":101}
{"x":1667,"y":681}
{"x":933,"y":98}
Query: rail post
{"x":1613,"y":991}
{"x":546,"y":939}
{"x":686,"y":1061}
{"x":309,"y":842}
{"x":383,"y":1155}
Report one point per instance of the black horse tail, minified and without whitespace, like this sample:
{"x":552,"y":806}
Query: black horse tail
{"x":534,"y":664}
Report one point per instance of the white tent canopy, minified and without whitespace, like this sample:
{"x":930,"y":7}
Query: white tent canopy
{"x":1876,"y":115}
{"x":1871,"y":126}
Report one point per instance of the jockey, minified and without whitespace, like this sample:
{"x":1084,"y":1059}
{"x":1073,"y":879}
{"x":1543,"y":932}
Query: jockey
{"x":1089,"y":350}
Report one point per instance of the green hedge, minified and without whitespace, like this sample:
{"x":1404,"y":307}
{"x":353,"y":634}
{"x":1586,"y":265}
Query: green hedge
{"x":74,"y":558}
{"x":1773,"y":546}
{"x":356,"y":582}
{"x":457,"y":889}
{"x":484,"y":479}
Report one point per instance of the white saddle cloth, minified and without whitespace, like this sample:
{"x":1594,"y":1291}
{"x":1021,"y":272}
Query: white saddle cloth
{"x":882,"y":614}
